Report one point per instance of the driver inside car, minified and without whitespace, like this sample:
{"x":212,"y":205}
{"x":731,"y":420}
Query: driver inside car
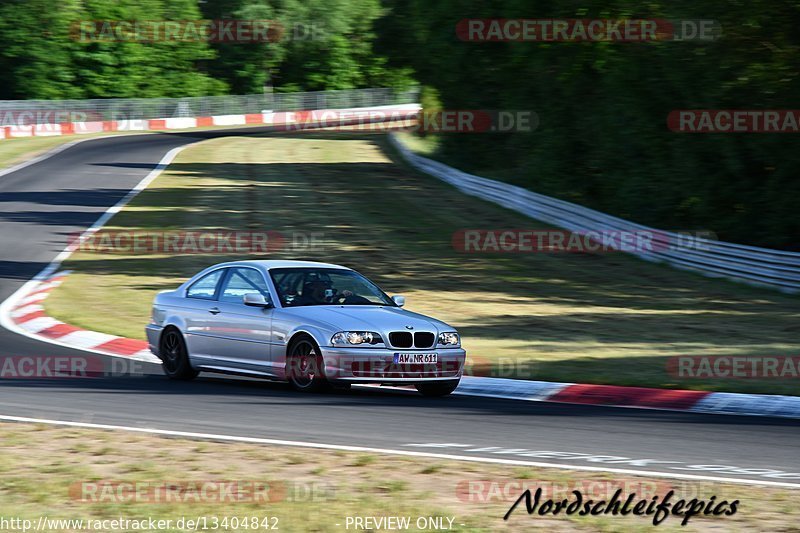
{"x":316,"y":292}
{"x":319,"y":292}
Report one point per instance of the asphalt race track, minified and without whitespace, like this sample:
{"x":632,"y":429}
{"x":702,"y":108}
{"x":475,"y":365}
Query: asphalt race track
{"x":45,"y":203}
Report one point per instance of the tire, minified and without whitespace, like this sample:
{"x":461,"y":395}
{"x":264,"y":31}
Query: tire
{"x":437,"y":388}
{"x":175,"y":356}
{"x":305,"y":368}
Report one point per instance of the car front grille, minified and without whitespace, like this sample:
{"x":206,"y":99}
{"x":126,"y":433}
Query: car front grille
{"x":401,"y":339}
{"x":404,"y":339}
{"x":423,"y":339}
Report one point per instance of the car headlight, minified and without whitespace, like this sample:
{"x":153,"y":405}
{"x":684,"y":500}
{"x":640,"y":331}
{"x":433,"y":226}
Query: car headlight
{"x":355,"y":337}
{"x":449,"y":338}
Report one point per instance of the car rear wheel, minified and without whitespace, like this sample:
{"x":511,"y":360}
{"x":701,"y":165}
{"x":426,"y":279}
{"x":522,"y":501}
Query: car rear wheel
{"x":175,"y":357}
{"x":305,"y":366}
{"x":437,"y":388}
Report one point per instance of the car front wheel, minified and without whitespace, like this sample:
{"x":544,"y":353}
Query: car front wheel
{"x":175,"y":357}
{"x":437,"y":388}
{"x":305,"y":366}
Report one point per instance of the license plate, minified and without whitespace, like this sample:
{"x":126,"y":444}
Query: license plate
{"x":401,"y":358}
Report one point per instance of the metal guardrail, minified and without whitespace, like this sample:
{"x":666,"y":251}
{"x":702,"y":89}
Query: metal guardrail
{"x":42,"y":111}
{"x":753,"y":265}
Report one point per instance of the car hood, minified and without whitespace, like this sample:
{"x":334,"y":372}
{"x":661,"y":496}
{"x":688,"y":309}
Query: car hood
{"x":369,"y":318}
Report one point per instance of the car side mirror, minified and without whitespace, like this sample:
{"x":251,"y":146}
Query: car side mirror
{"x":255,"y":299}
{"x":399,"y":300}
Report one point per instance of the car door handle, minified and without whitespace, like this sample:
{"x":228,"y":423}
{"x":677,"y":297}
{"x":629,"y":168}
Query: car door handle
{"x":214,"y":310}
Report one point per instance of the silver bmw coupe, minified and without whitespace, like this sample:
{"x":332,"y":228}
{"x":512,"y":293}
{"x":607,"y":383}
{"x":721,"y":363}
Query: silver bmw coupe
{"x":311,"y":324}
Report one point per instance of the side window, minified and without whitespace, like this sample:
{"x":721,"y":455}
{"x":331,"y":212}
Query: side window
{"x":205,"y":287}
{"x":243,"y":281}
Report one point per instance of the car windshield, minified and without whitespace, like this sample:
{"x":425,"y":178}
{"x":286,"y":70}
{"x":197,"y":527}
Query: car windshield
{"x":326,"y":286}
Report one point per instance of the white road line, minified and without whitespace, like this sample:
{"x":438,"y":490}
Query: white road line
{"x":389,"y":451}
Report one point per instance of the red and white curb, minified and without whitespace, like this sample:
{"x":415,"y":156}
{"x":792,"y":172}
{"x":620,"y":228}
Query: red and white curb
{"x":290,"y":119}
{"x":28,"y":314}
{"x":728,"y":403}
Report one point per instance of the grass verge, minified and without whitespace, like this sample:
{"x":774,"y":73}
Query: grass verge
{"x":55,"y":472}
{"x":592,"y":318}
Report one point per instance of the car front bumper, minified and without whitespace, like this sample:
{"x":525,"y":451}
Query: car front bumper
{"x":376,"y":365}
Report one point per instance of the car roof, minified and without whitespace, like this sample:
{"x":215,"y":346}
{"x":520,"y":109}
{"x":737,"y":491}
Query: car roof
{"x":269,"y":264}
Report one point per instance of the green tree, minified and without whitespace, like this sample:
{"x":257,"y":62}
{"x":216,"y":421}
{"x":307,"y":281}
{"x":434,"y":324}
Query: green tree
{"x":602,"y":139}
{"x":325,"y":44}
{"x":36,"y":59}
{"x":47,"y":56}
